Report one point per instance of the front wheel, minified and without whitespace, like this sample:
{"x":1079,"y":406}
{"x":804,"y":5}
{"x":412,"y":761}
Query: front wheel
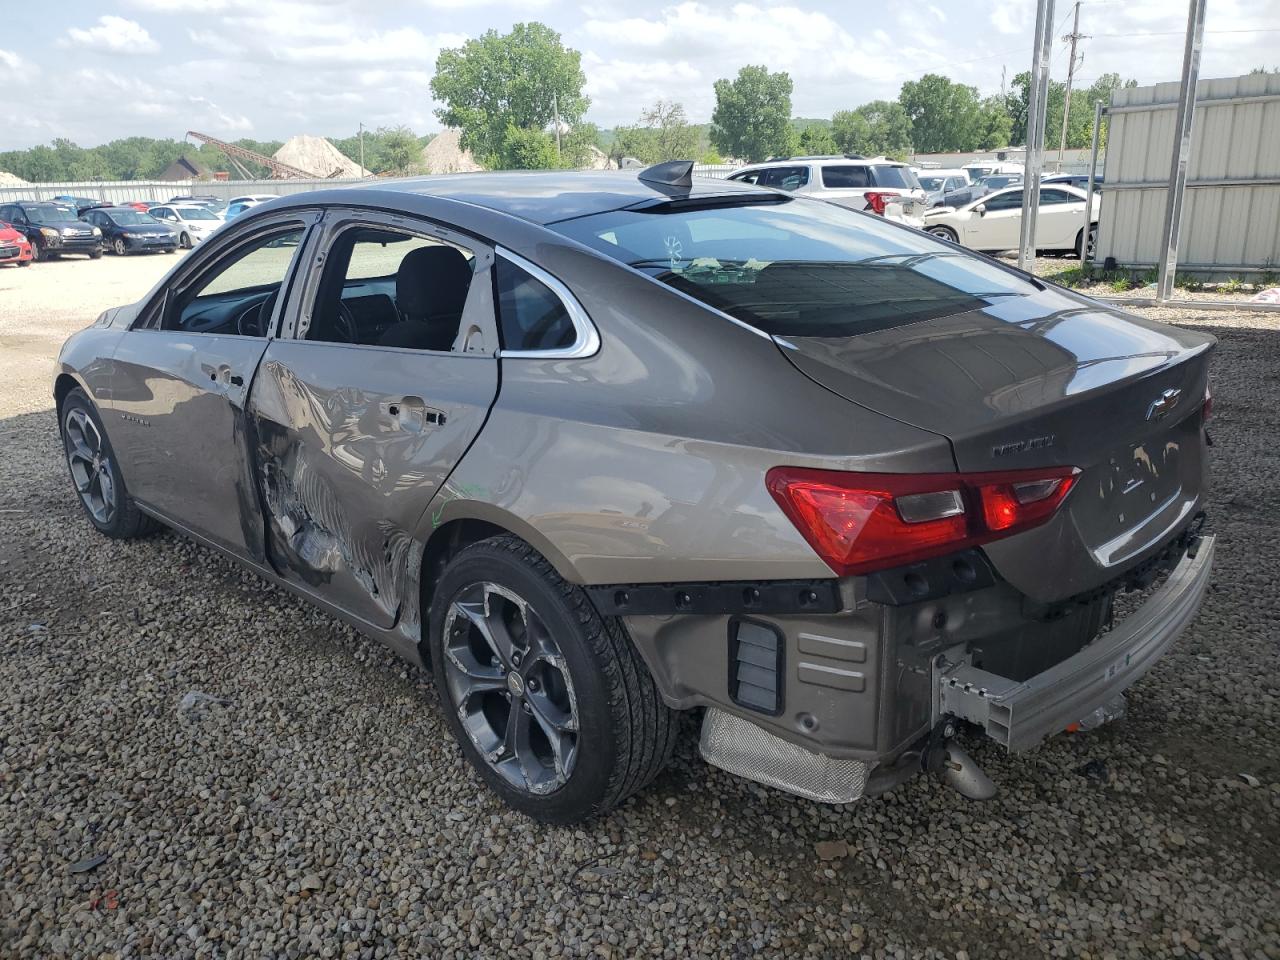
{"x":95,"y":254}
{"x":550,"y":702}
{"x":184,"y":241}
{"x":95,"y":474}
{"x":37,"y":251}
{"x":944,"y":233}
{"x":118,"y":246}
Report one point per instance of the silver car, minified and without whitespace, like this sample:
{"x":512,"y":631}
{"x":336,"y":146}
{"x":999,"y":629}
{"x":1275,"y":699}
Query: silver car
{"x":597,"y":448}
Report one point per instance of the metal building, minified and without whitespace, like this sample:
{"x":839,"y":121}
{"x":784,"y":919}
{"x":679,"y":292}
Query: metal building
{"x":1231,"y":217}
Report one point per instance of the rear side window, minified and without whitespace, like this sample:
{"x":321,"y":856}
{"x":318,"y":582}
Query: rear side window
{"x":840,"y":178}
{"x":784,"y":178}
{"x":798,"y":268}
{"x":530,"y":314}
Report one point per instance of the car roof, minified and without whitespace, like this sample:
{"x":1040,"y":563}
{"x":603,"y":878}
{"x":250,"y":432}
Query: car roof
{"x":537,"y":196}
{"x":842,"y":161}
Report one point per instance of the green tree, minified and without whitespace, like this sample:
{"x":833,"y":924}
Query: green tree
{"x":752,"y":117}
{"x":401,"y":150}
{"x":945,"y":116}
{"x":817,"y":141}
{"x":880,"y":127}
{"x":499,"y":86}
{"x":995,"y":125}
{"x":663,"y":133}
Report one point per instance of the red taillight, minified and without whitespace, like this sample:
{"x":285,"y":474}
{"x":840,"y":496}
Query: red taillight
{"x":876,"y":201}
{"x":861,"y":522}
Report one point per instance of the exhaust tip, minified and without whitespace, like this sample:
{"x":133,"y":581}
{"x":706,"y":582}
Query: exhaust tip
{"x":962,"y":773}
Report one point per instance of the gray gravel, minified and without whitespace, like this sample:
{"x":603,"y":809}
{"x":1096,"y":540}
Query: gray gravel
{"x":263,"y":782}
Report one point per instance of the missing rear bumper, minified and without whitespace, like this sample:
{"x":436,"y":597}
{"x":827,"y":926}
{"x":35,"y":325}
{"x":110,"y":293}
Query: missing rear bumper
{"x":1020,"y":714}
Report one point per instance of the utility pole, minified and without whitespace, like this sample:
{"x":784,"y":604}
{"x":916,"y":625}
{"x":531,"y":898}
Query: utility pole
{"x":1003,"y":96}
{"x":1074,"y":37}
{"x":555,"y":108}
{"x":361,"y":130}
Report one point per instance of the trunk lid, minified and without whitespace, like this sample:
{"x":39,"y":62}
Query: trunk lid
{"x":1046,"y":379}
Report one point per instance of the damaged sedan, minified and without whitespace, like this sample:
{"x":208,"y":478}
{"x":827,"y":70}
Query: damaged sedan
{"x":597,"y":448}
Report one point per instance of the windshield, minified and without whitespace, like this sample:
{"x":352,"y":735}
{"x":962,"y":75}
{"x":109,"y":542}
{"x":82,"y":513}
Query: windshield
{"x":928,"y":182}
{"x":50,"y":213}
{"x":197,"y":213}
{"x":798,"y":268}
{"x":131,"y":218}
{"x":900,"y":178}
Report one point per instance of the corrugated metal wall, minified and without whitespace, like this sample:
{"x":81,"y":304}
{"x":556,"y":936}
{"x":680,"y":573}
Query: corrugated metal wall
{"x":1231,"y":214}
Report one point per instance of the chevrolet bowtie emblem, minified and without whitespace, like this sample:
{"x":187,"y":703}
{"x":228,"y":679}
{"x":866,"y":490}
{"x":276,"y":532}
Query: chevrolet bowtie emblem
{"x":1163,"y":405}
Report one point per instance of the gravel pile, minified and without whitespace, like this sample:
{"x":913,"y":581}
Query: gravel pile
{"x":194,"y":764}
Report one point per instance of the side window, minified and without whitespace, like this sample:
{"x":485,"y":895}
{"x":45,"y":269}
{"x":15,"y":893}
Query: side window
{"x":530,"y":314}
{"x":1052,"y":197}
{"x":238,"y":294}
{"x":839,"y":178}
{"x":1004,"y":201}
{"x":391,"y":288}
{"x":752,"y":177}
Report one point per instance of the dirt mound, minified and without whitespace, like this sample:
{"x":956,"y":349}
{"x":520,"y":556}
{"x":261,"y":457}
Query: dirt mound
{"x":444,"y":154}
{"x":9,"y":180}
{"x":319,"y":156}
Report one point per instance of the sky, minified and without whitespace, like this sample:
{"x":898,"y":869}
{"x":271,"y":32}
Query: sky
{"x":95,"y":70}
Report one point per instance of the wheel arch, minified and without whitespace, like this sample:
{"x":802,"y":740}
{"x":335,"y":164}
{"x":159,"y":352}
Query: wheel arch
{"x":62,"y":386}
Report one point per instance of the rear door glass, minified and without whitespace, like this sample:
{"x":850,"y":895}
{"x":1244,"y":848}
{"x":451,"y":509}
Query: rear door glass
{"x":784,"y":178}
{"x":897,"y":178}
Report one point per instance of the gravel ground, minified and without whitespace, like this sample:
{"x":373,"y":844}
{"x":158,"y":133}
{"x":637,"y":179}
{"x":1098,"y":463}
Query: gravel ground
{"x":317,"y":808}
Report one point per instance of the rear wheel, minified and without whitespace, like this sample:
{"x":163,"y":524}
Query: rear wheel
{"x":95,"y":474}
{"x":945,"y":233}
{"x":550,"y":702}
{"x":1084,"y":249}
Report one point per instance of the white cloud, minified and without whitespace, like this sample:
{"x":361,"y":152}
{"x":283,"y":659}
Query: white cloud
{"x":115,"y":35}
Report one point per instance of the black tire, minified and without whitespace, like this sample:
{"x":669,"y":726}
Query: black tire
{"x":1093,"y":240}
{"x":95,"y":254}
{"x":37,"y":251}
{"x":118,"y":245}
{"x":944,"y":233}
{"x":184,"y":241}
{"x":24,"y":263}
{"x":625,"y":733}
{"x":125,"y":521}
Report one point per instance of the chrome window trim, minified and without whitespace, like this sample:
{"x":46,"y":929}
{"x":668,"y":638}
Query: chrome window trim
{"x":587,"y":341}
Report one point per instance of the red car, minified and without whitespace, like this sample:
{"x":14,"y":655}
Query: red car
{"x":14,"y":246}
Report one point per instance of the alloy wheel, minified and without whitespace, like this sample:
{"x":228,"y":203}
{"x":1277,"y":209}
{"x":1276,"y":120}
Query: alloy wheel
{"x":91,"y":468}
{"x":119,"y":246}
{"x":511,"y":687}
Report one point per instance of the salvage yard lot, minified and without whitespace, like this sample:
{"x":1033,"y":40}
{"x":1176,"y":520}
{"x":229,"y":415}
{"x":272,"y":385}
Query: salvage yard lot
{"x":318,"y":806}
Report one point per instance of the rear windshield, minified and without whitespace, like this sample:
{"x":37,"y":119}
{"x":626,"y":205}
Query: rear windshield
{"x":798,"y":267}
{"x":900,"y":178}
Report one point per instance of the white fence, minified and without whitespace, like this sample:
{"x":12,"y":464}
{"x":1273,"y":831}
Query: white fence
{"x":1231,"y":214}
{"x":118,"y":191}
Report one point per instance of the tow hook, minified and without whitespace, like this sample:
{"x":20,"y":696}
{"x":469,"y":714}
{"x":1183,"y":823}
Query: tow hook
{"x":953,"y":766}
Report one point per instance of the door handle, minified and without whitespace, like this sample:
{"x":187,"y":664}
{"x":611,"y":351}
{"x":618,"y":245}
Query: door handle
{"x":222,"y":374}
{"x":412,"y":413}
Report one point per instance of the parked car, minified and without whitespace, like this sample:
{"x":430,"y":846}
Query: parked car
{"x":1078,"y":180}
{"x":878,"y":185}
{"x":937,"y":183}
{"x":993,"y":222}
{"x":190,"y":222}
{"x":79,"y":204}
{"x":53,"y":229}
{"x":125,"y":230}
{"x":980,"y":188}
{"x":142,"y":206}
{"x":239,"y":205}
{"x":216,"y":204}
{"x":14,"y":246}
{"x":980,"y":169}
{"x":600,"y":447}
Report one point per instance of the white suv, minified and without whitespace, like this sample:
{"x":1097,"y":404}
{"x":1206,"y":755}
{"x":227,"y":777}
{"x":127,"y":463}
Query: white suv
{"x":875,"y":184}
